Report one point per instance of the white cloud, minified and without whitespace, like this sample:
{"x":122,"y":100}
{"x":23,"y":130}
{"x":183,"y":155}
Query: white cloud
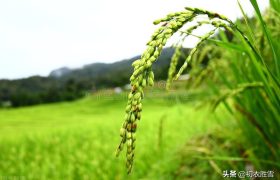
{"x":38,"y":36}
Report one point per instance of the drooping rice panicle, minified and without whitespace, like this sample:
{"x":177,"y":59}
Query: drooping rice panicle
{"x":143,"y":76}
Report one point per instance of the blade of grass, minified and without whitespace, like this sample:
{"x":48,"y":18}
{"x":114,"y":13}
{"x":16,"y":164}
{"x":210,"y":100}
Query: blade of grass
{"x":267,"y":34}
{"x":251,"y":34}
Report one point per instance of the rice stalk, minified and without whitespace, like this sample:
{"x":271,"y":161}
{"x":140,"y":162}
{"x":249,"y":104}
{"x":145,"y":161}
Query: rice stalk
{"x":143,"y":75}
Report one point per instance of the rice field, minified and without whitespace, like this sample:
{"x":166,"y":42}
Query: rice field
{"x":77,"y":140}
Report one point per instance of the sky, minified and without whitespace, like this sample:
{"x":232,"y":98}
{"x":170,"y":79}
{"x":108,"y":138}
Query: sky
{"x":39,"y":36}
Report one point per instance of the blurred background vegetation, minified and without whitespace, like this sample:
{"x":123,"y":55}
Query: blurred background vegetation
{"x":223,"y":115}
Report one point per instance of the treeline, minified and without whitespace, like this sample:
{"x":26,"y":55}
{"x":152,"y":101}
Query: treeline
{"x":69,"y":84}
{"x":37,"y":90}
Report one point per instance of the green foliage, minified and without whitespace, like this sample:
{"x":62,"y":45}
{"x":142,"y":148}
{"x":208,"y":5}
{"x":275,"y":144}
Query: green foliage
{"x":254,"y":61}
{"x":252,"y":79}
{"x":249,"y":61}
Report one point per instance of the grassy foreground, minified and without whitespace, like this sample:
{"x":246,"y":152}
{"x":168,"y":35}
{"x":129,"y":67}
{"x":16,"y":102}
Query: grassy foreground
{"x":77,"y":140}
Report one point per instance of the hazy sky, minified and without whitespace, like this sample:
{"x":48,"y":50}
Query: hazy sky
{"x":38,"y":36}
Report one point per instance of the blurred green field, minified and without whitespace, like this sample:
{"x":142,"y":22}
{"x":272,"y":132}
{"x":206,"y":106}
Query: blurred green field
{"x":77,"y":140}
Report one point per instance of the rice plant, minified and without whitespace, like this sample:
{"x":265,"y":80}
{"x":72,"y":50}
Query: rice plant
{"x":250,"y":77}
